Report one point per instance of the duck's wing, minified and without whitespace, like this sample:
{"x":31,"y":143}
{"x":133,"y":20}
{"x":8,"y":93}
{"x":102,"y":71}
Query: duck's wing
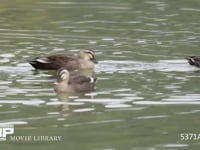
{"x":54,"y":62}
{"x":194,"y":60}
{"x":83,"y":83}
{"x":83,"y":79}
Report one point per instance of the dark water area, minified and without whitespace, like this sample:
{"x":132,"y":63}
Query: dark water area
{"x":147,"y":95}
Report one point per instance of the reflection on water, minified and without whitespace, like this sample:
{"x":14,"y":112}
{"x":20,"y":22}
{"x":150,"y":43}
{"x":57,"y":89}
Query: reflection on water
{"x":146,"y":94}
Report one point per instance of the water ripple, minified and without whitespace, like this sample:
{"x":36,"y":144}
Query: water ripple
{"x":94,"y":123}
{"x":83,"y":110}
{"x":128,"y":66}
{"x":25,"y":102}
{"x":190,"y":9}
{"x":13,"y":123}
{"x":152,"y":117}
{"x":176,"y":145}
{"x":166,"y":103}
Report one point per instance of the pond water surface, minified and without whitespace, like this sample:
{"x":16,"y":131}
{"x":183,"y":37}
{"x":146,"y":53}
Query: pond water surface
{"x":146,"y":95}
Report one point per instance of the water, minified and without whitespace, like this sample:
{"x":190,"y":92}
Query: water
{"x":146,"y":95}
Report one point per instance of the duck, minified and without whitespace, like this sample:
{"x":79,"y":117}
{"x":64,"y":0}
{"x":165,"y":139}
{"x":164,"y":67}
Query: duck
{"x":194,"y":60}
{"x":73,"y":84}
{"x":84,"y":60}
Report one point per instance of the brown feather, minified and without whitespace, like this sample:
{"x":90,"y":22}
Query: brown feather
{"x":67,"y":83}
{"x":85,"y":60}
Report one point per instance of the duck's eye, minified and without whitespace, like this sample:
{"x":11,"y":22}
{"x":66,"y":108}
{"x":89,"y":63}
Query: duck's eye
{"x":63,"y":71}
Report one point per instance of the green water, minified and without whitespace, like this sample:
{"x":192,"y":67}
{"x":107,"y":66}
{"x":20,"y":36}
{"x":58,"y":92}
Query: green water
{"x":146,"y":94}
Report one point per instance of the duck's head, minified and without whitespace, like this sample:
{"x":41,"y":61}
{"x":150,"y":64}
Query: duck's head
{"x":88,"y":55}
{"x":62,"y":76}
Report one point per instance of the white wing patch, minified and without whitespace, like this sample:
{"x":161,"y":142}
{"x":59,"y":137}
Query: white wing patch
{"x":43,"y":60}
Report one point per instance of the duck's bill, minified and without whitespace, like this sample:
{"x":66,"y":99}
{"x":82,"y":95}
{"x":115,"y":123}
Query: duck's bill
{"x":58,"y":80}
{"x":95,"y":61}
{"x":55,"y":83}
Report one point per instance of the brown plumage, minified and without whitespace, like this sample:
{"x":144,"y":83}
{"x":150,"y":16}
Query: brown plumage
{"x":84,"y":60}
{"x":194,"y":60}
{"x":66,"y":83}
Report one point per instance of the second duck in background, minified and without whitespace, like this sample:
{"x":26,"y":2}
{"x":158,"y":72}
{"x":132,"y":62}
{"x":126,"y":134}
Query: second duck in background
{"x":194,"y":60}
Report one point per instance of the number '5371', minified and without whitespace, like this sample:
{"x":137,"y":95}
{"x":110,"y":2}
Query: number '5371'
{"x":189,"y":136}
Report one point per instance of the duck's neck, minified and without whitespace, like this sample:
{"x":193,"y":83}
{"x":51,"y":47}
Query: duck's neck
{"x":86,"y":64}
{"x":62,"y":86}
